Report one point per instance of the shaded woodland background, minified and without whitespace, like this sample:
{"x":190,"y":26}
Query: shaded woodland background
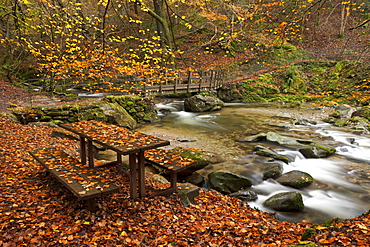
{"x":85,"y":42}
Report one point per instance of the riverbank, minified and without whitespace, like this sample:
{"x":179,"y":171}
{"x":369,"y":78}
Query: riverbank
{"x":178,"y":137}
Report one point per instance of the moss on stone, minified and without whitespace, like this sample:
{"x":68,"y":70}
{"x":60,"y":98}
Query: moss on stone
{"x":341,"y":123}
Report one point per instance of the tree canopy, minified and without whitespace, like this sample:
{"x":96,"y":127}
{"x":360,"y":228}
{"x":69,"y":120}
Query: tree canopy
{"x":94,"y":42}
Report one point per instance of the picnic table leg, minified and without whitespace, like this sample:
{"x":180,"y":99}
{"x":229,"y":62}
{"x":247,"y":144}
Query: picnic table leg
{"x":133,"y":181}
{"x":141,"y":166}
{"x":83,"y":150}
{"x":90,"y":153}
{"x":91,"y":204}
{"x":173,"y":181}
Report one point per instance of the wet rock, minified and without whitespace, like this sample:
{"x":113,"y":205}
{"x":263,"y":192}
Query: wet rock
{"x":297,"y":121}
{"x":295,"y":179}
{"x":195,"y":178}
{"x":263,"y":151}
{"x":330,"y":120}
{"x":351,"y":140}
{"x":200,"y":103}
{"x":275,"y":138}
{"x":228,"y":182}
{"x":282,"y":140}
{"x":273,"y":170}
{"x":255,"y":138}
{"x":185,"y":140}
{"x":284,"y":115}
{"x":344,"y":110}
{"x":285,"y":201}
{"x":316,"y":150}
{"x":245,"y":195}
{"x":164,"y":111}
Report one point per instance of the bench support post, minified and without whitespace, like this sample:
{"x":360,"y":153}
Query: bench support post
{"x":83,"y":150}
{"x":90,"y":153}
{"x":133,"y":181}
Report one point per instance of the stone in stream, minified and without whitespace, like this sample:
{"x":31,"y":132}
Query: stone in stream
{"x":286,"y":202}
{"x":245,"y":195}
{"x":263,"y":151}
{"x":272,"y":170}
{"x":295,"y":179}
{"x":228,"y":182}
{"x":344,"y":110}
{"x":275,"y":138}
{"x":200,"y":103}
{"x":316,"y":150}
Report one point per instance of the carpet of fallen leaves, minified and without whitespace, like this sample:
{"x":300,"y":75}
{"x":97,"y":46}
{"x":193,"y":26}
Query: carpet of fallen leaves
{"x":35,"y":210}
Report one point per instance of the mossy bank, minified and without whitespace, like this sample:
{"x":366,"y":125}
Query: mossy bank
{"x":125,"y":111}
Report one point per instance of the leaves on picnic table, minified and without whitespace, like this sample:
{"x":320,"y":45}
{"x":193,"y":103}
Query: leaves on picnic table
{"x":168,"y":158}
{"x":116,"y":136}
{"x":37,"y":211}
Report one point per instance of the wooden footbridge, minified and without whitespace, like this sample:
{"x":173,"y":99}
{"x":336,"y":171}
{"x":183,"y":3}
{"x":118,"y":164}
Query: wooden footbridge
{"x":186,"y":82}
{"x":193,"y":82}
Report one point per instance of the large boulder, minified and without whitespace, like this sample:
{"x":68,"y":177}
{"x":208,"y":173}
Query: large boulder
{"x":295,"y":179}
{"x":200,"y":103}
{"x":316,"y":150}
{"x":285,"y":201}
{"x":264,"y":151}
{"x":118,"y":115}
{"x":227,"y":182}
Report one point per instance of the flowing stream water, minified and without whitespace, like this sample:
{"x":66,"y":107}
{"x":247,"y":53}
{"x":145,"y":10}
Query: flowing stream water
{"x":341,"y":182}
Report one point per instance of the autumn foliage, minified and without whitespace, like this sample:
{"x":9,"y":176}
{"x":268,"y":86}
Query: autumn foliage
{"x":102,"y":45}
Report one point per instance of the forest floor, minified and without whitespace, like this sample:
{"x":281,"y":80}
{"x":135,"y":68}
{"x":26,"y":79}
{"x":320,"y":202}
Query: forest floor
{"x":37,"y":211}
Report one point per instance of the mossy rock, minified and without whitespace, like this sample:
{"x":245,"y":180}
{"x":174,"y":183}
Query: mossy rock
{"x":295,"y":179}
{"x":364,"y":112}
{"x":228,"y":182}
{"x":341,"y":123}
{"x":140,"y":108}
{"x":335,"y":114}
{"x":286,"y":202}
{"x":316,"y":150}
{"x":263,"y":151}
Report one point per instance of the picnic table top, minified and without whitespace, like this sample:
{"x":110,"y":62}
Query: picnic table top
{"x":120,"y":139}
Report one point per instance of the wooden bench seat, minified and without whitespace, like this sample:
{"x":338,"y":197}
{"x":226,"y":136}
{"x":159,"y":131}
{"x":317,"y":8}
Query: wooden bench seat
{"x":170,"y":161}
{"x":84,"y":182}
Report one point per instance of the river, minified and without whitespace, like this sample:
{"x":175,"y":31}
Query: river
{"x":341,"y":182}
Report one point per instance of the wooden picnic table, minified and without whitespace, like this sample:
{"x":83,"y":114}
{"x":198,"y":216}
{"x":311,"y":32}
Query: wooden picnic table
{"x":121,"y":140}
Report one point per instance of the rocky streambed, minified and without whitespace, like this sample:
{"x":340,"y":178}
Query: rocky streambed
{"x":340,"y":183}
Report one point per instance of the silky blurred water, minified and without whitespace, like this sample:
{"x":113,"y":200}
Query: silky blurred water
{"x":341,"y":182}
